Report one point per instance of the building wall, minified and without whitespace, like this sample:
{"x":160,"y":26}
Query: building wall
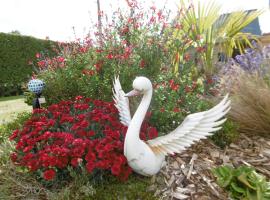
{"x":265,"y":39}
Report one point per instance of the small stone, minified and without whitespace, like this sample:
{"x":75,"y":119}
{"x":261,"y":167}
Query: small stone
{"x":214,"y":154}
{"x":225,"y":159}
{"x":175,"y":165}
{"x":266,"y":152}
{"x":178,"y":195}
{"x":152,"y":188}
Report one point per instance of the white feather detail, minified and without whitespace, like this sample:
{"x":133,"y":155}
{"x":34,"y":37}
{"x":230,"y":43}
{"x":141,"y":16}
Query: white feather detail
{"x":195,"y":127}
{"x":121,"y":102}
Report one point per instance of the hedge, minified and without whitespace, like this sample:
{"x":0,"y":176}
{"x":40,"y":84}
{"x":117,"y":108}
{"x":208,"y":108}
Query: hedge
{"x":15,"y":53}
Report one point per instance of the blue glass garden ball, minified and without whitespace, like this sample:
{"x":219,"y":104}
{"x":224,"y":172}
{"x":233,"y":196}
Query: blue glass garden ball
{"x":36,"y":86}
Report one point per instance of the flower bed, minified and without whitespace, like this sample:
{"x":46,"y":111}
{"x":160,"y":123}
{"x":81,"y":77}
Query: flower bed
{"x":81,"y":134}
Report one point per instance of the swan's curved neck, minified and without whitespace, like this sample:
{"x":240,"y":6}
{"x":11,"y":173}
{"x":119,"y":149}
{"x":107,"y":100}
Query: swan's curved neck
{"x":136,"y":122}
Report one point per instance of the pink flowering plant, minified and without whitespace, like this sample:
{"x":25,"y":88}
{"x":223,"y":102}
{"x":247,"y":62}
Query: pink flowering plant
{"x":133,"y":44}
{"x":130,"y":46}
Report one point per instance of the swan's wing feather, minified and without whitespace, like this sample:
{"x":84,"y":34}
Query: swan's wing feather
{"x":121,"y":102}
{"x":195,"y":127}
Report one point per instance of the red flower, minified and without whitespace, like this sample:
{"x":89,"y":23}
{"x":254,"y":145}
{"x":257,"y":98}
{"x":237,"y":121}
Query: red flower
{"x":90,"y":157}
{"x":210,"y":81}
{"x":162,"y":109}
{"x":60,"y":59}
{"x":187,"y":57}
{"x":75,"y":161}
{"x":14,"y":135}
{"x":98,"y":65}
{"x":90,"y":133}
{"x":200,"y":49}
{"x":176,"y":110}
{"x":13,"y":157}
{"x":110,"y":56}
{"x":173,"y":86}
{"x":90,"y":166}
{"x":188,"y":89}
{"x":99,"y":50}
{"x":83,"y":49}
{"x":49,"y":174}
{"x":116,"y":169}
{"x":41,"y":63}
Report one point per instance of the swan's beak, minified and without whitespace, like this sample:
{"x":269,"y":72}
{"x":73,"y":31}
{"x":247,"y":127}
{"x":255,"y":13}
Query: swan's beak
{"x":133,"y":93}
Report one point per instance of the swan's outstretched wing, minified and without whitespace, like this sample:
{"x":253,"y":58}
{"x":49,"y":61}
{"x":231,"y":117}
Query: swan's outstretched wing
{"x":195,"y":127}
{"x":121,"y":102}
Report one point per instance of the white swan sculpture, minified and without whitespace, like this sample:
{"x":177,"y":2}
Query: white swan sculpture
{"x":147,"y":158}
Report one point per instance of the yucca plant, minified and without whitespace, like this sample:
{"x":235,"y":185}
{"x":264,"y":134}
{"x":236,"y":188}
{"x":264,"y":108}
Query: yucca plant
{"x":209,"y":31}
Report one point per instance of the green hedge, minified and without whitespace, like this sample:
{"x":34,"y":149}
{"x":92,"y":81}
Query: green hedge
{"x":15,"y":53}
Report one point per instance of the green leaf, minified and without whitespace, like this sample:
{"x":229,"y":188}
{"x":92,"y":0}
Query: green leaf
{"x":224,"y":175}
{"x":243,"y":179}
{"x":237,"y":188}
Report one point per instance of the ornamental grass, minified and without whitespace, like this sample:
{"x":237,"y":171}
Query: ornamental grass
{"x":251,"y":104}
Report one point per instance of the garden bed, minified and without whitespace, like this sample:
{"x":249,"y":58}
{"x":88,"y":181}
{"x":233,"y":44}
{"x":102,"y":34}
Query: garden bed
{"x":188,"y":175}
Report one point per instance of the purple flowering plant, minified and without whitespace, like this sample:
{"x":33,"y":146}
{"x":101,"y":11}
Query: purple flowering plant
{"x":255,"y":60}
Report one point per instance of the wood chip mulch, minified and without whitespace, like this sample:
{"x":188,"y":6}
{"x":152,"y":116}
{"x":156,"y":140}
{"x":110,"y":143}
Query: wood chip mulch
{"x":188,"y":175}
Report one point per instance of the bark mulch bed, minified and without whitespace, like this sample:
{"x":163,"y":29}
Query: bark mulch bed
{"x":188,"y":175}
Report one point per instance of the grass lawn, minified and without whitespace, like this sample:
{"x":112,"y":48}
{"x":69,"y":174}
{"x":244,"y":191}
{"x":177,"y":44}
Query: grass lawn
{"x":11,"y":106}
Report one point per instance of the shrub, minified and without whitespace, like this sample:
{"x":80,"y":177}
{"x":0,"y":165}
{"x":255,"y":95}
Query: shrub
{"x":174,"y":98}
{"x":131,"y":46}
{"x":16,"y":53}
{"x":228,"y":134}
{"x":77,"y":135}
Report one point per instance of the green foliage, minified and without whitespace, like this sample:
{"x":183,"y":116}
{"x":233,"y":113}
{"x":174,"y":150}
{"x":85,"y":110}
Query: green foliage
{"x":7,"y":129}
{"x":243,"y":183}
{"x":90,"y":73}
{"x":29,"y":97}
{"x":175,"y":98}
{"x":228,"y":134}
{"x":15,"y":53}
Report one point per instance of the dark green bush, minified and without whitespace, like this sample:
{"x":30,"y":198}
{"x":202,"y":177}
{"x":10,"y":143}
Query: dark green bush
{"x":228,"y":134}
{"x":16,"y":52}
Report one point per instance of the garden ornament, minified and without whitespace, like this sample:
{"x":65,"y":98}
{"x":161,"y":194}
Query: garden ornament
{"x":36,"y":86}
{"x":148,"y":157}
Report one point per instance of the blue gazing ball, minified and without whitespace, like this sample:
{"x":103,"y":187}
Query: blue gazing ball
{"x":36,"y":86}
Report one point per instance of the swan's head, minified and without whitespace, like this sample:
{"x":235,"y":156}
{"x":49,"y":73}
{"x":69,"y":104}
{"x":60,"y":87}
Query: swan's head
{"x":141,"y":85}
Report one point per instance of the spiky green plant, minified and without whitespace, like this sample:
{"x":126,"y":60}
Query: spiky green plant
{"x":209,"y":30}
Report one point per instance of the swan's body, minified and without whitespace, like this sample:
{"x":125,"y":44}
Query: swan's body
{"x":147,"y":158}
